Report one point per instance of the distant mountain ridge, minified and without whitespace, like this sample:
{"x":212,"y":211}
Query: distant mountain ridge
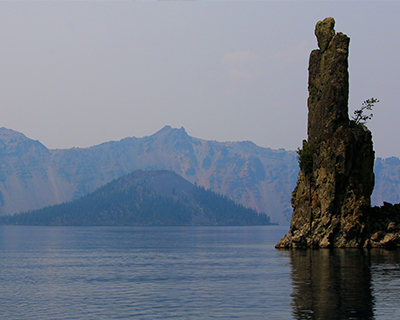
{"x":144,"y":198}
{"x":32,"y":176}
{"x":387,"y":181}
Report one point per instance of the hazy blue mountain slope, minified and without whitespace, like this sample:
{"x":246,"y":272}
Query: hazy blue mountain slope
{"x":27,"y":178}
{"x":32,"y":176}
{"x":387,"y":181}
{"x":144,"y":198}
{"x":256,"y":177}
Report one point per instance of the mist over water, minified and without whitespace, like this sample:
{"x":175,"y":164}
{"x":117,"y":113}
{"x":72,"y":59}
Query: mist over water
{"x":188,"y":273}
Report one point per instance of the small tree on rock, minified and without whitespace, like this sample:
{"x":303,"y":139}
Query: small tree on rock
{"x":359,"y":116}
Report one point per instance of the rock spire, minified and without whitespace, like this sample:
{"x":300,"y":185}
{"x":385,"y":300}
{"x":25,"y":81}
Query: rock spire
{"x":331,"y":200}
{"x":332,"y":196}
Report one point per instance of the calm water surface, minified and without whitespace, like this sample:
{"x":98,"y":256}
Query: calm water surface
{"x":188,"y":273}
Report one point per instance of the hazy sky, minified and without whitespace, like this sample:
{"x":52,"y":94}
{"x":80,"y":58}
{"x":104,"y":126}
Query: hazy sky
{"x":76,"y":74}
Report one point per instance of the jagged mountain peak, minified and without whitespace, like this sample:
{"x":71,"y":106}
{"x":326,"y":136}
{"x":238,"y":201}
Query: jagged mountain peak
{"x":168,"y":132}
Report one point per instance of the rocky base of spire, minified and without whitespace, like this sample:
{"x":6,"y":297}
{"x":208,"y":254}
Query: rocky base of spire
{"x":380,"y":229}
{"x":384,"y":227}
{"x":331,"y":200}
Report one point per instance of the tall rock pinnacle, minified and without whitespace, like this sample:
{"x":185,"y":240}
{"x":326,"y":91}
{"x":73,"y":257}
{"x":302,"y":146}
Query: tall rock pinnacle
{"x":332,"y":196}
{"x":328,"y":83}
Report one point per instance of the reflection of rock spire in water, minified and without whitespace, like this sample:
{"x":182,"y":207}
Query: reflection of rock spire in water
{"x":331,"y":284}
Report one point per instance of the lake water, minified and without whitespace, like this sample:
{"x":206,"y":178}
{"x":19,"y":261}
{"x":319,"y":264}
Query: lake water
{"x":188,"y":273}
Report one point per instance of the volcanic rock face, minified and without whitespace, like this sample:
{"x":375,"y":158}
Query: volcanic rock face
{"x":332,"y":196}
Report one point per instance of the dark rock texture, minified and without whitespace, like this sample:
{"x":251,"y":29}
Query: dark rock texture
{"x":384,"y":226}
{"x":332,"y":197}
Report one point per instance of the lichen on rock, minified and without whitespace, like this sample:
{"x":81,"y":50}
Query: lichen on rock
{"x":332,"y":197}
